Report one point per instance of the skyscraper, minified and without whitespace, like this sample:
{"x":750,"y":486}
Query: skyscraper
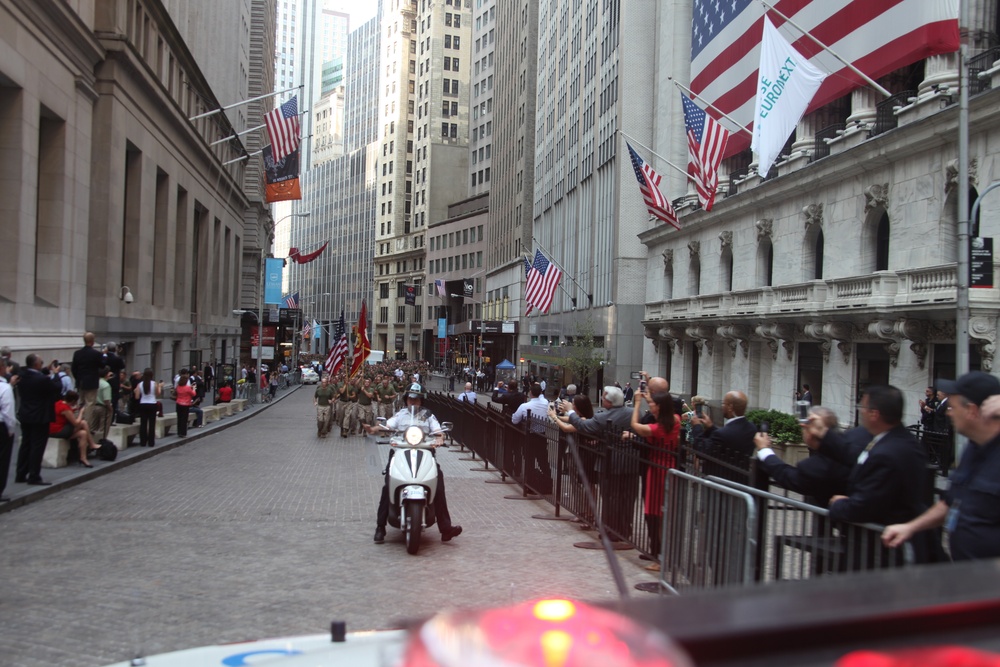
{"x":423,"y":148}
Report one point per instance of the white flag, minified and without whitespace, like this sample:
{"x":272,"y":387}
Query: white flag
{"x":786,"y":83}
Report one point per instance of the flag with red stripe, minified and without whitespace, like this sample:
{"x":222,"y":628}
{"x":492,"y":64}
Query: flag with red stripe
{"x":282,"y":126}
{"x":706,"y":144}
{"x":338,"y":353}
{"x":876,"y":36}
{"x":362,"y":347}
{"x":543,"y":279}
{"x":649,"y":185}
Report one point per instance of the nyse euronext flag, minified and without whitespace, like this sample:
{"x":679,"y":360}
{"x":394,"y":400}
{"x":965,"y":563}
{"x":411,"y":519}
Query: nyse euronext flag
{"x":786,"y":83}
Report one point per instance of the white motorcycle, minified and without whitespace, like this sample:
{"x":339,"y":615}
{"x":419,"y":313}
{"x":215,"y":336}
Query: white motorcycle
{"x":413,"y":475}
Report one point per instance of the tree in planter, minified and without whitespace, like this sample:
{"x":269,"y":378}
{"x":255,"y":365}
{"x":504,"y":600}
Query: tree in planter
{"x":580,"y":357}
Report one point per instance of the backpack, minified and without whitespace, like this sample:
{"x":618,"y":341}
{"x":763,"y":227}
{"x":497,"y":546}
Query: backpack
{"x":107,"y":451}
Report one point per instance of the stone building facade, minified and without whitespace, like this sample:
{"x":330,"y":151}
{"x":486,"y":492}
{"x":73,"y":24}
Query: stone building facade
{"x":839,"y":270}
{"x":112,"y":187}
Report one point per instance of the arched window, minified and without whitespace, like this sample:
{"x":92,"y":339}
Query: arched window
{"x":726,"y":260}
{"x":668,"y":280}
{"x":812,"y":254}
{"x":882,"y":243}
{"x":765,"y":262}
{"x":818,"y":256}
{"x":694,"y":276}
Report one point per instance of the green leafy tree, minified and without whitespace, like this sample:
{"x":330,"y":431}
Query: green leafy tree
{"x":580,"y":357}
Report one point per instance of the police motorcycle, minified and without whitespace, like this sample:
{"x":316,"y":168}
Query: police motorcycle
{"x":413,"y":475}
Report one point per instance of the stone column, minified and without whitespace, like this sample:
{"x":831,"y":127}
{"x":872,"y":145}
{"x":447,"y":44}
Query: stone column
{"x":863,"y":101}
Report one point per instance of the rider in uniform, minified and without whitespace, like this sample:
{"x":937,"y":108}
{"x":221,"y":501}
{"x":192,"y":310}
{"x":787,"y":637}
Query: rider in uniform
{"x":398,"y":422}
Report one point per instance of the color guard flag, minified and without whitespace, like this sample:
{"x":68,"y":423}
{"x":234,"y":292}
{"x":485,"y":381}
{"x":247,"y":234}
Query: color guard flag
{"x":282,"y":126}
{"x":706,"y":145}
{"x":362,"y":347}
{"x":338,"y":353}
{"x":543,"y":279}
{"x":786,"y":84}
{"x":658,"y":205}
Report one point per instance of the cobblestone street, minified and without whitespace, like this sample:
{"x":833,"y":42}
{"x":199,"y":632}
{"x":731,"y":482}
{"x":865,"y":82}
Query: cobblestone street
{"x":263,"y":530}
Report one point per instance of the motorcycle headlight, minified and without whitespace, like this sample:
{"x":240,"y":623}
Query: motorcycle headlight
{"x":414,"y":435}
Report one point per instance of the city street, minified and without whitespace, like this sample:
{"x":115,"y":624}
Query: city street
{"x":262,"y":530}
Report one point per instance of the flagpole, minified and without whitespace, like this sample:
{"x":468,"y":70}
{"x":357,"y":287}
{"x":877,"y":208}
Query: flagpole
{"x":256,"y":152}
{"x":709,"y":105}
{"x":239,"y":104}
{"x":826,"y":48}
{"x":655,"y":154}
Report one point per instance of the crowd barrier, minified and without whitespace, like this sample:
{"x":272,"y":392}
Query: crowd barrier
{"x":712,"y":518}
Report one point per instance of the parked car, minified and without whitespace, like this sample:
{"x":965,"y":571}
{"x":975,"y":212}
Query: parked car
{"x":309,"y":376}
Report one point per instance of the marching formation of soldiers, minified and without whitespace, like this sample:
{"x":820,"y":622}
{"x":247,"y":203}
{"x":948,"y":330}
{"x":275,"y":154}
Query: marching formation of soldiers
{"x":348,"y":403}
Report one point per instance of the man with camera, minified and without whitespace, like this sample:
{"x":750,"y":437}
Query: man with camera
{"x":734,"y":440}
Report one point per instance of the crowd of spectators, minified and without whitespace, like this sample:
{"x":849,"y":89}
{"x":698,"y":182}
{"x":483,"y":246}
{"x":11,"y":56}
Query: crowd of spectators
{"x":79,"y":401}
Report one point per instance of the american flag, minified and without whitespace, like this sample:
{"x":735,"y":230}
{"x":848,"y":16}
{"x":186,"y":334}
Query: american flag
{"x":338,"y":353}
{"x":649,"y":182}
{"x":283,"y":128}
{"x":877,"y":36}
{"x":439,"y":284}
{"x":543,"y":279}
{"x":292,"y":300}
{"x":706,"y":144}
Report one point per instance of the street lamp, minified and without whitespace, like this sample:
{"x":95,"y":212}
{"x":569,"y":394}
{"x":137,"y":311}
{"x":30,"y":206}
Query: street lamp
{"x":263,"y":281}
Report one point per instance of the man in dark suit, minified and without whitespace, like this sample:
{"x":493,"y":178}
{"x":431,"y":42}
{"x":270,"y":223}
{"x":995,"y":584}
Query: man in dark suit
{"x":734,"y":440}
{"x":509,"y":401}
{"x":86,"y":367}
{"x":888,"y":477}
{"x":39,"y":390}
{"x":818,"y":477}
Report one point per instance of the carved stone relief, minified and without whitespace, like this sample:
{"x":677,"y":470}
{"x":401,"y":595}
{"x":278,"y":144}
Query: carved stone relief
{"x":983,"y":330}
{"x":951,"y":175}
{"x":726,"y":238}
{"x":813,"y":214}
{"x":877,"y":196}
{"x":694,"y":248}
{"x":764,"y":227}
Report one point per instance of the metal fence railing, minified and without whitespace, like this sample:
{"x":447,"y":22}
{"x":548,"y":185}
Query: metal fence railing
{"x":709,"y":534}
{"x":710,"y":520}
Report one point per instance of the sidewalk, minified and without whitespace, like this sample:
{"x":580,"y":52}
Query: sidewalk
{"x":64,"y":478}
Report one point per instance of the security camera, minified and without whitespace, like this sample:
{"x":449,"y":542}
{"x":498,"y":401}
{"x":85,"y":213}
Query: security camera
{"x":128,"y":298}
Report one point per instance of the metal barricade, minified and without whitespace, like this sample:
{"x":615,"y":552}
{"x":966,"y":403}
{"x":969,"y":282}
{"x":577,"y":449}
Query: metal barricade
{"x":799,"y":541}
{"x":709,"y":534}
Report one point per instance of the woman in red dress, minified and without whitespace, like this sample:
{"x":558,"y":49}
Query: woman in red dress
{"x":662,"y":438}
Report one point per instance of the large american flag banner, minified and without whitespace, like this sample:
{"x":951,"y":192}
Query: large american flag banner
{"x":543,"y":279}
{"x":649,"y":181}
{"x":338,"y":353}
{"x":282,"y":126}
{"x":877,"y":36}
{"x":706,"y":145}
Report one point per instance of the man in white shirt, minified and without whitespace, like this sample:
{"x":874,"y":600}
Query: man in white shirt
{"x":468,"y":395}
{"x":8,"y":422}
{"x":538,"y":475}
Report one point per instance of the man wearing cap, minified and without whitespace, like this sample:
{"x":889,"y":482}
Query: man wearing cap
{"x":970,"y":510}
{"x":398,"y":422}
